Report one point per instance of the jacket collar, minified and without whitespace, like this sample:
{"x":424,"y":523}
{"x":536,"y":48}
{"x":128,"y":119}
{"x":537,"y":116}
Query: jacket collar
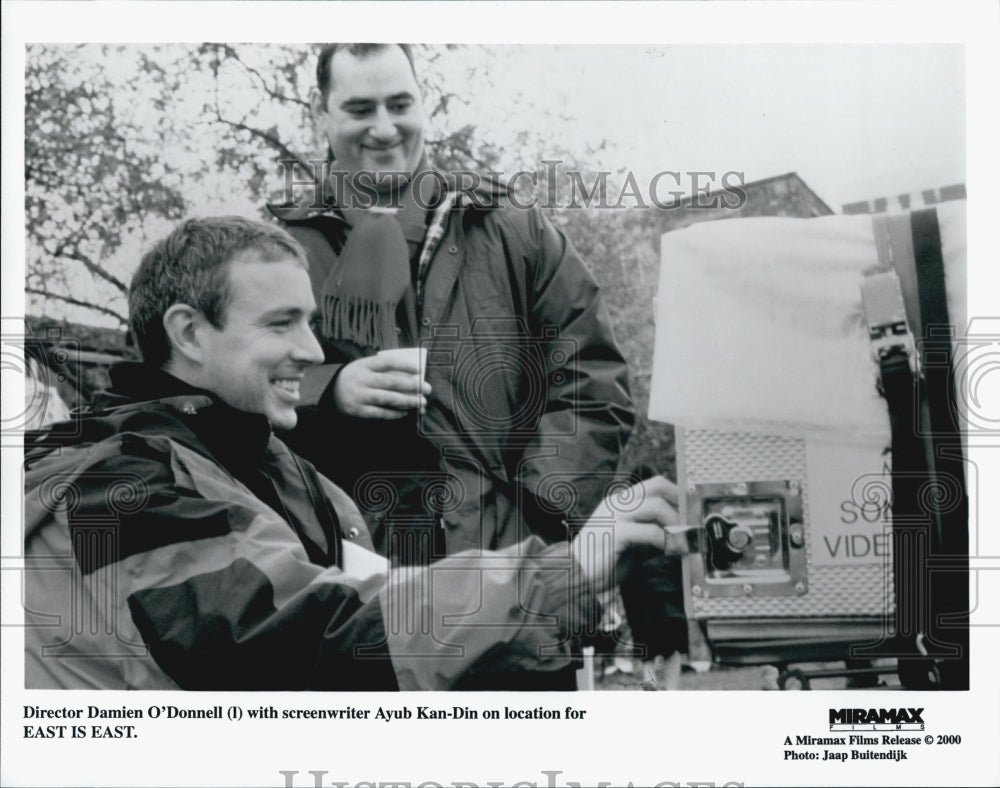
{"x":231,"y":435}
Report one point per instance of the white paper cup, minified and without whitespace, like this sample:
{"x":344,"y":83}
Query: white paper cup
{"x":407,"y":359}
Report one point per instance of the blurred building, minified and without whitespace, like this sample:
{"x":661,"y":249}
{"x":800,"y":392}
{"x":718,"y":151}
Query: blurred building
{"x":789,"y":195}
{"x":907,"y":202}
{"x":780,"y":195}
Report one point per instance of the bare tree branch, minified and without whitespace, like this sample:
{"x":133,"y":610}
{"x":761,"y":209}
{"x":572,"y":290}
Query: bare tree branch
{"x":96,"y":270}
{"x":270,"y":139}
{"x":77,"y":302}
{"x":273,"y":92}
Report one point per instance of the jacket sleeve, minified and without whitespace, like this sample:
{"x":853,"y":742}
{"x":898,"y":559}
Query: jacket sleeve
{"x":588,"y":414}
{"x":222,"y":593}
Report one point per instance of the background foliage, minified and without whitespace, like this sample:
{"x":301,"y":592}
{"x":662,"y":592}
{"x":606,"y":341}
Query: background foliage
{"x":122,"y":141}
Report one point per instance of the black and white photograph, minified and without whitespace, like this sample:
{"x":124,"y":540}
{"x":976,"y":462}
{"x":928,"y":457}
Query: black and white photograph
{"x":677,"y":393}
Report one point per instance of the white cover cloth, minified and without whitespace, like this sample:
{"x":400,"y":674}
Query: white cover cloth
{"x":759,"y":324}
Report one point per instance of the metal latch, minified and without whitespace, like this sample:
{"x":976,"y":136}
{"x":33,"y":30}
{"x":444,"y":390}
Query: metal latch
{"x":752,"y":539}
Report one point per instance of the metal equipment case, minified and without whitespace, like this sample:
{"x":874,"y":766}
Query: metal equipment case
{"x":806,"y":366}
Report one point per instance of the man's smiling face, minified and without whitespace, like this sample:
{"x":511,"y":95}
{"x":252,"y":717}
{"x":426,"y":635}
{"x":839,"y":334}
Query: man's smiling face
{"x":256,"y":361}
{"x":373,"y":117}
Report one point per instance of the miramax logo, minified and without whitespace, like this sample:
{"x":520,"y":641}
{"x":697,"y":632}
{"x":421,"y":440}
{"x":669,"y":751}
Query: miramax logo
{"x":901,"y":719}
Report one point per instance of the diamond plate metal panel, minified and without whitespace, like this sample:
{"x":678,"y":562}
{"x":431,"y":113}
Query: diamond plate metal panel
{"x":709,"y":456}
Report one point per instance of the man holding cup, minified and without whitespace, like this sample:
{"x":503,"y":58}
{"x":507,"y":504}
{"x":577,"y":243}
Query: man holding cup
{"x":516,"y":423}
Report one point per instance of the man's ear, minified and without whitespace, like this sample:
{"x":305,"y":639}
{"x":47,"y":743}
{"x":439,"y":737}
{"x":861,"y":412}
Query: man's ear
{"x":182,"y":324}
{"x":316,"y":103}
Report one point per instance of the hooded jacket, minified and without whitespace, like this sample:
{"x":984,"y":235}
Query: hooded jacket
{"x":173,"y":542}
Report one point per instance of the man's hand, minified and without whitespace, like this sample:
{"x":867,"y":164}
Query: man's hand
{"x":385,"y":386}
{"x":635,"y":516}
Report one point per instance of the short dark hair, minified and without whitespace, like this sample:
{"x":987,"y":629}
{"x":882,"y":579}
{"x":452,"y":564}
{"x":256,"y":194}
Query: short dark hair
{"x":357,"y":50}
{"x":190,"y":266}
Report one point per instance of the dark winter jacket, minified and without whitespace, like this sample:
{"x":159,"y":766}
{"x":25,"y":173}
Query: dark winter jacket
{"x":530,"y":407}
{"x":172,"y":541}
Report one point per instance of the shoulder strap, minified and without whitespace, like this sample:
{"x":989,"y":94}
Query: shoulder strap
{"x":948,"y":502}
{"x":930,"y":511}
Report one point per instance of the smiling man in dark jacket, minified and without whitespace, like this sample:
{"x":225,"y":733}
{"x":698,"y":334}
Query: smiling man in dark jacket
{"x":172,"y":541}
{"x":517,"y":424}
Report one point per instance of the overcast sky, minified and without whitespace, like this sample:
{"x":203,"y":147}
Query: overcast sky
{"x":855,"y":121}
